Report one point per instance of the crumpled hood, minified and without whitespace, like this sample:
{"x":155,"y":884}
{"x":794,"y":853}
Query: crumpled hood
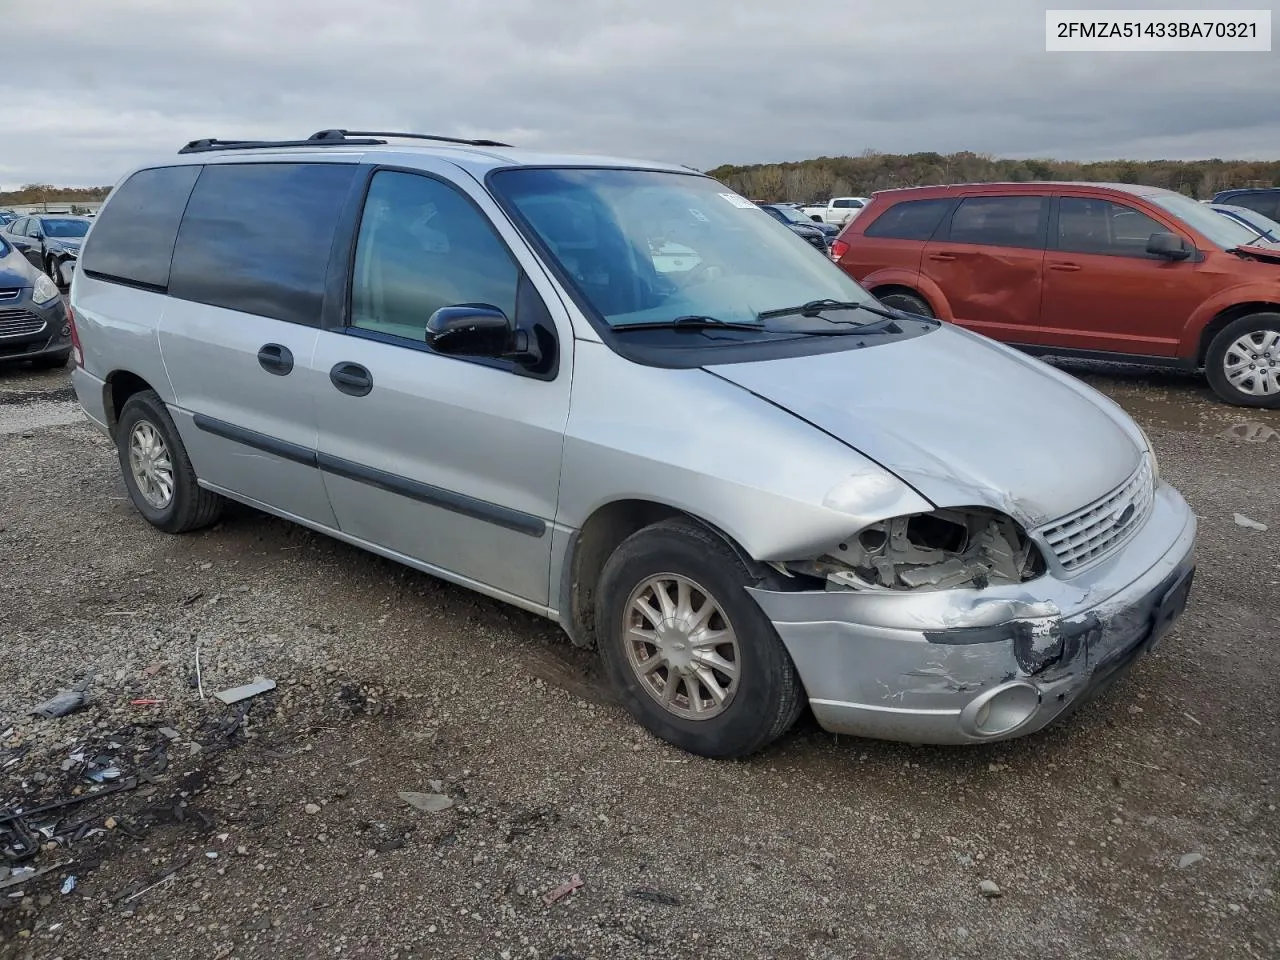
{"x":960,"y":419}
{"x":66,"y":243}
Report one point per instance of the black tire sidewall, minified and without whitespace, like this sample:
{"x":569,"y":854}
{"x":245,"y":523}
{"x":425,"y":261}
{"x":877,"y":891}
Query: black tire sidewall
{"x":907,"y":302}
{"x":1217,"y":351}
{"x":148,"y":406}
{"x":748,"y":722}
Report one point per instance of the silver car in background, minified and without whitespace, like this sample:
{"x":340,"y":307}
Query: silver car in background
{"x":746,"y":482}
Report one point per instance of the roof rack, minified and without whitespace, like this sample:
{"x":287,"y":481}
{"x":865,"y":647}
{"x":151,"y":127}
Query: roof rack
{"x":328,"y":138}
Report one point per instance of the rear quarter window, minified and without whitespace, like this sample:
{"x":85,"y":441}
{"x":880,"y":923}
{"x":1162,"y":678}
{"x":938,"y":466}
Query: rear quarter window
{"x":256,"y":238}
{"x":132,"y":238}
{"x":1267,"y":204}
{"x":909,"y":220}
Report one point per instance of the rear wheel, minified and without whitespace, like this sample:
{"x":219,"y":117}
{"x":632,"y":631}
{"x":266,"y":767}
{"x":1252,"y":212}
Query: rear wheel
{"x":906,"y":302}
{"x":1243,"y":361}
{"x":693,"y":657}
{"x":157,"y":472}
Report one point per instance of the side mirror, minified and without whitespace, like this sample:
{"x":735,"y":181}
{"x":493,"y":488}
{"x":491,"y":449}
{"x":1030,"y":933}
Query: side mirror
{"x":478,"y":330}
{"x":1167,"y":245}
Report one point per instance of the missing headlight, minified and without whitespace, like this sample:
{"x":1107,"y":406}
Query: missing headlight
{"x":972,"y":547}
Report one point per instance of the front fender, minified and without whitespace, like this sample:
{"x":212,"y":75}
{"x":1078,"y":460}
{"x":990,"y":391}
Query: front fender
{"x":899,"y":277}
{"x":1267,"y":294}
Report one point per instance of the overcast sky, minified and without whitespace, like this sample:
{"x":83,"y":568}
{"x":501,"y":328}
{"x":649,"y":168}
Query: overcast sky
{"x":103,"y":84}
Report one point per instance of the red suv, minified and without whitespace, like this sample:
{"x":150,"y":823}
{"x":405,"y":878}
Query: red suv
{"x":1109,"y":271}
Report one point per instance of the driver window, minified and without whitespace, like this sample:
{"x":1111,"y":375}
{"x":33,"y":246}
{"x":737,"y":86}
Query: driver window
{"x":423,"y":246}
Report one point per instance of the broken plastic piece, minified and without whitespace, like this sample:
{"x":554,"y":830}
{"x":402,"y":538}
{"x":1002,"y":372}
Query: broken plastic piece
{"x":1243,"y":521}
{"x":69,"y":884}
{"x":562,"y":891}
{"x":101,"y":776}
{"x":236,"y":694}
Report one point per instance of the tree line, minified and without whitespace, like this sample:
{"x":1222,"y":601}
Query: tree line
{"x":824,"y":177}
{"x":47,"y":193}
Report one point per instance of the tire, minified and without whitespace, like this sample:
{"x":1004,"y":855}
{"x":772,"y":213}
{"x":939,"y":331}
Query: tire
{"x":1248,"y":350}
{"x":51,"y":269}
{"x":906,"y":302}
{"x":188,"y":506}
{"x":767,"y":695}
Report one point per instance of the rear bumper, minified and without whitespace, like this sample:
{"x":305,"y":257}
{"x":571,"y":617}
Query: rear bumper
{"x":91,"y":393}
{"x":968,"y":666}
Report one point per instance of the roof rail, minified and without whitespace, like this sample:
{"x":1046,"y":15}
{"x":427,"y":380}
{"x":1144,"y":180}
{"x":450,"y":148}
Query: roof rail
{"x":328,"y":138}
{"x":341,"y":134}
{"x":210,"y":144}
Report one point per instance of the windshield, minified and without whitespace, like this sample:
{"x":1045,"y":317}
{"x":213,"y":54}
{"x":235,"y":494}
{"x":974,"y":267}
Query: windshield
{"x":1219,"y":230}
{"x":646,"y":246}
{"x":1260,"y":223}
{"x":65,"y":228}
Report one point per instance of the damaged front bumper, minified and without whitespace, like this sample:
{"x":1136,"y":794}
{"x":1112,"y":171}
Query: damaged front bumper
{"x":967,"y":666}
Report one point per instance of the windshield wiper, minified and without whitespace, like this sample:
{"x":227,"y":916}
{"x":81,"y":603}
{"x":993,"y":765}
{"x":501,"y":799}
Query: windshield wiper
{"x":816,"y":308}
{"x":692,"y":322}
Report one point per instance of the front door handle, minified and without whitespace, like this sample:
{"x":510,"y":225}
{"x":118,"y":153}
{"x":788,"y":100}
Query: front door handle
{"x":1065,"y":267}
{"x":351,"y":378}
{"x":275,"y":358}
{"x":945,"y":257}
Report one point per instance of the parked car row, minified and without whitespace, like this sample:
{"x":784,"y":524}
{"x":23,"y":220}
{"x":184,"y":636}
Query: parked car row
{"x":33,"y":318}
{"x":51,"y":242}
{"x":1082,"y":269}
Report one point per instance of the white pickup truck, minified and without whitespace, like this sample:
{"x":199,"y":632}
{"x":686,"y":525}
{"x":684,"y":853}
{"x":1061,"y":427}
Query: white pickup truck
{"x":838,"y":210}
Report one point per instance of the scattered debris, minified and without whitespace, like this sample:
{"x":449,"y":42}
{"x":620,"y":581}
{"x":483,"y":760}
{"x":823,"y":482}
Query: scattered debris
{"x":23,"y":874}
{"x":1243,"y":521}
{"x":103,"y":774}
{"x":426,"y":802}
{"x":145,"y":702}
{"x":312,"y":809}
{"x":236,"y":694}
{"x":562,"y":891}
{"x":130,"y":894}
{"x":655,"y":896}
{"x":68,"y":884}
{"x":990,"y":889}
{"x":199,"y":680}
{"x":169,"y":733}
{"x":1188,"y":859}
{"x":1193,"y":719}
{"x":64,"y":702}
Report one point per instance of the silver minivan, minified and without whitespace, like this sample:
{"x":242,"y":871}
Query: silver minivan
{"x":620,"y":395}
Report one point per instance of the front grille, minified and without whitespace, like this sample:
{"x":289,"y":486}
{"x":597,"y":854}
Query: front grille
{"x":1097,"y":531}
{"x":19,"y":323}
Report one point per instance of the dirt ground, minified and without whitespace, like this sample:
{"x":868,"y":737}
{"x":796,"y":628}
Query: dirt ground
{"x":1144,"y":827}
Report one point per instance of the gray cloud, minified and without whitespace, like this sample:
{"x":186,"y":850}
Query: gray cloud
{"x":702,"y":82}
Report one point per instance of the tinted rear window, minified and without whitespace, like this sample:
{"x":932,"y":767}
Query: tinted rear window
{"x":910,"y":220}
{"x":1000,"y":221}
{"x":1266,"y":203}
{"x":256,"y":238}
{"x":132,"y":238}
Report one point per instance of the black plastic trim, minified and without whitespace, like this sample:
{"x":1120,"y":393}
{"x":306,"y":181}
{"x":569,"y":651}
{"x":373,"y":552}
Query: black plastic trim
{"x":124,"y":282}
{"x":516,"y":520}
{"x":211,"y":145}
{"x":259,"y":441}
{"x":435,"y":496}
{"x":1071,"y":353}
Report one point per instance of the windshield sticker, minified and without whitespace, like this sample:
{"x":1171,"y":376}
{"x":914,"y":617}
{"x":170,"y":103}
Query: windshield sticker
{"x":738,"y":201}
{"x":699,"y":215}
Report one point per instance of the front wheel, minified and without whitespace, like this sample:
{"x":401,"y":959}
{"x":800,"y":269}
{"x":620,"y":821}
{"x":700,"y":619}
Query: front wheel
{"x":157,"y":471}
{"x":907,"y":303}
{"x":693,"y":657}
{"x":1243,"y":361}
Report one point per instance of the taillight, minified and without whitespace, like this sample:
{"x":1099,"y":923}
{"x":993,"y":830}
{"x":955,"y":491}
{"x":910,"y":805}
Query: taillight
{"x":75,"y":338}
{"x":838,"y":249}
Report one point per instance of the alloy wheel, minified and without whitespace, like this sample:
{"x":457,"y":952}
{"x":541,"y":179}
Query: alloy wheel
{"x":682,"y":647}
{"x":151,"y":464}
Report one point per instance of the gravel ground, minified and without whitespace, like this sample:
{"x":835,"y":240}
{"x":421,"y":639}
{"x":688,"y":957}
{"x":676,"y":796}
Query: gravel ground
{"x":1144,"y":827}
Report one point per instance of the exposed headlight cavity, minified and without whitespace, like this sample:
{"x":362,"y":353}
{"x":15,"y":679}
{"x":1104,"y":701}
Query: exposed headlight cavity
{"x":964,"y":547}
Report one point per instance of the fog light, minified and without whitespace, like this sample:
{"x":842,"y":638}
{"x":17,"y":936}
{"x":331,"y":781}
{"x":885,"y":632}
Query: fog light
{"x":65,"y":331}
{"x":1000,"y":710}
